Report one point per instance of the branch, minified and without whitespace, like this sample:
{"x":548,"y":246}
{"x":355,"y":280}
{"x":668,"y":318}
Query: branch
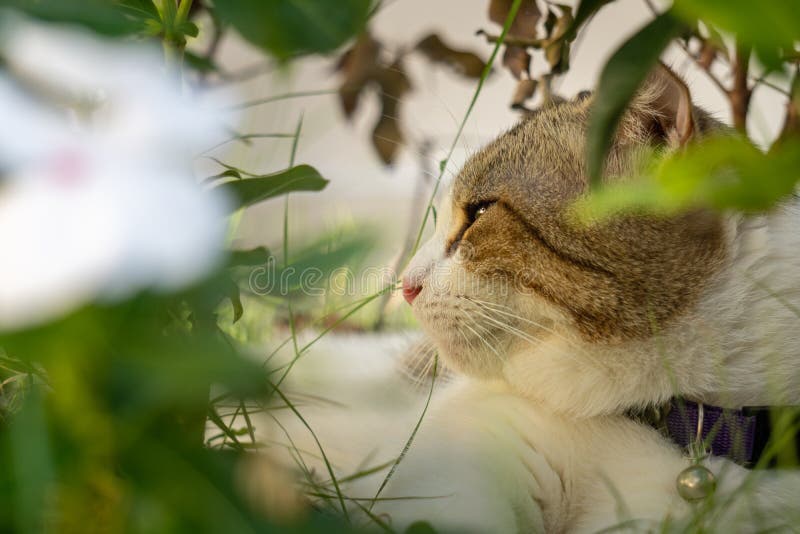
{"x":740,"y":93}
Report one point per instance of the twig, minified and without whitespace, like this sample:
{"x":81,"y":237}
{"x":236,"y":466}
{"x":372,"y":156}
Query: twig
{"x":762,"y":80}
{"x":707,"y":68}
{"x":740,"y":94}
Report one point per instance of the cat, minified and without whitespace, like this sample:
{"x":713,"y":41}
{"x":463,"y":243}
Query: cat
{"x":552,"y":333}
{"x":560,"y":330}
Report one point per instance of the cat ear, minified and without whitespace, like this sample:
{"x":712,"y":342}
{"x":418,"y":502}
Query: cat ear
{"x":668,"y":98}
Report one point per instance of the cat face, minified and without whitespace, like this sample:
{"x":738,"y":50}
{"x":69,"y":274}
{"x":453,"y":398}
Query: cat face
{"x":507,"y":267}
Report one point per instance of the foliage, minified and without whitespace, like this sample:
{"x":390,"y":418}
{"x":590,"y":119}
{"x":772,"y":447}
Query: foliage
{"x":367,"y":65}
{"x":104,"y":412}
{"x":287,"y":28}
{"x":254,"y":189}
{"x":751,"y":181}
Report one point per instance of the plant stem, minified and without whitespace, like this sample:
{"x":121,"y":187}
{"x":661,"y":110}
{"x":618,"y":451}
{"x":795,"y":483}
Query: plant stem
{"x":740,"y":93}
{"x":183,"y":10}
{"x":173,"y":15}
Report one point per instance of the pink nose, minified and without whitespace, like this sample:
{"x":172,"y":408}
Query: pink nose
{"x":410,"y":292}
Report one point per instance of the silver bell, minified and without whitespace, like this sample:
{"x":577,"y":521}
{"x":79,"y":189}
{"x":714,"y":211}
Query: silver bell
{"x":696,"y":482}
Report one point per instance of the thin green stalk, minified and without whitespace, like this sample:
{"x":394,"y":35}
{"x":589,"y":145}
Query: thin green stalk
{"x":511,"y":15}
{"x":173,"y":41}
{"x":183,"y":10}
{"x":247,"y":137}
{"x":250,"y":428}
{"x":233,"y":422}
{"x":339,"y":321}
{"x":328,"y":465}
{"x":413,"y":433}
{"x":217,"y":420}
{"x":276,"y":98}
{"x":292,"y":156}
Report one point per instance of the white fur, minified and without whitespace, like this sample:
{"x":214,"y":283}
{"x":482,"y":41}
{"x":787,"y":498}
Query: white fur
{"x":487,"y":460}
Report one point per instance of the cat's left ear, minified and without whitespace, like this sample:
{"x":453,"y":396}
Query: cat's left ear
{"x":668,"y":98}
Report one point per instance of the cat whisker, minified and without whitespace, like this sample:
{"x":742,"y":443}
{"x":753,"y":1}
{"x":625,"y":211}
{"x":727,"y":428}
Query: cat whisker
{"x":508,"y":311}
{"x":485,"y":342}
{"x":483,"y":328}
{"x":511,"y":329}
{"x":418,"y":363}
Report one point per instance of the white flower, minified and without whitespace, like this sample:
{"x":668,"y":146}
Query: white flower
{"x":98,"y":207}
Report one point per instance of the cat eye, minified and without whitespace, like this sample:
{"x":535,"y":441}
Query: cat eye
{"x":476,"y":210}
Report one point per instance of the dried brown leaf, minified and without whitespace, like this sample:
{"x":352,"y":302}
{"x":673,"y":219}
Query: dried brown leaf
{"x":518,"y":61}
{"x":462,"y":62}
{"x":524,"y":25}
{"x":563,"y":23}
{"x":557,"y":55}
{"x":358,"y":65}
{"x":393,"y":81}
{"x":550,"y":22}
{"x":387,"y":136}
{"x":557,"y":50}
{"x":525,"y":90}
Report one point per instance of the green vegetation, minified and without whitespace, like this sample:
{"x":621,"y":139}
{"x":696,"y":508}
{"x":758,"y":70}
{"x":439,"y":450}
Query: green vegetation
{"x":104,"y":411}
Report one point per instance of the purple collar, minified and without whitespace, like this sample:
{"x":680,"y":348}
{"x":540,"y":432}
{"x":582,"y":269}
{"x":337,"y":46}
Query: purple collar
{"x":740,"y":435}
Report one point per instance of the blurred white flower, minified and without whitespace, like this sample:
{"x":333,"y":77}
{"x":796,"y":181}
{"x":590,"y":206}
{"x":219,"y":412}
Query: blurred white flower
{"x":98,"y":204}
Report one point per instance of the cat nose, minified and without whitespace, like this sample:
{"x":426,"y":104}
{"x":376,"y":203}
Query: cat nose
{"x":410,"y":291}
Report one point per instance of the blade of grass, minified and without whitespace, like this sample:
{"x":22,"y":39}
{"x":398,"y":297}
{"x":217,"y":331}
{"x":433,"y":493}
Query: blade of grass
{"x":217,"y":420}
{"x":292,"y":156}
{"x":413,"y":435}
{"x":299,"y":354}
{"x":250,"y":428}
{"x":246,"y":137}
{"x":276,"y":98}
{"x":328,"y":465}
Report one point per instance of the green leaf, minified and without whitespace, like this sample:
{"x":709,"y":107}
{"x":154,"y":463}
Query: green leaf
{"x":420,"y":527}
{"x":101,"y":16}
{"x":720,"y":173}
{"x":767,"y":25}
{"x":235,"y":296}
{"x":253,"y":190}
{"x":227,"y":173}
{"x":249,"y":258}
{"x":621,"y":77}
{"x":287,"y":28}
{"x":234,"y":172}
{"x":142,"y":9}
{"x":586,"y":9}
{"x":188,"y":28}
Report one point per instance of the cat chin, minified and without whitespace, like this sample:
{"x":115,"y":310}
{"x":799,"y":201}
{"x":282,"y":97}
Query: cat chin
{"x":465,"y":358}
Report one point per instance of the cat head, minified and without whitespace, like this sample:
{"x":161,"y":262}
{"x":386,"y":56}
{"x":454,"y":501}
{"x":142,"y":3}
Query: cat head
{"x":508,"y":268}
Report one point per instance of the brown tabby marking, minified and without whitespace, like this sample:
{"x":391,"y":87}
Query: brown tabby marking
{"x":616,"y":281}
